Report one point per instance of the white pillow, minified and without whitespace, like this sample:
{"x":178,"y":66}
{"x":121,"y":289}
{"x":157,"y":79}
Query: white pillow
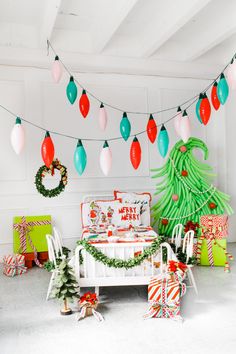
{"x":143,"y":199}
{"x":127,"y":214}
{"x":98,"y":212}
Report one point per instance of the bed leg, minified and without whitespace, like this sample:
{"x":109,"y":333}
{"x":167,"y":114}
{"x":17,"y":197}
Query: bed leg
{"x":97,"y":290}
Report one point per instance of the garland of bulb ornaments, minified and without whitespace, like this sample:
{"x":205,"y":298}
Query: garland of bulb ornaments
{"x":219,"y":94}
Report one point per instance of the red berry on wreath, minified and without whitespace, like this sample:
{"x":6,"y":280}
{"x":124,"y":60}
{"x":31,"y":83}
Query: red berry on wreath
{"x":184,"y":173}
{"x":164,"y":222}
{"x":183,"y":148}
{"x":175,"y":197}
{"x":212,"y":205}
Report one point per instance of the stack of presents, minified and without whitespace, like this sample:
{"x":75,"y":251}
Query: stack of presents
{"x":164,"y":293}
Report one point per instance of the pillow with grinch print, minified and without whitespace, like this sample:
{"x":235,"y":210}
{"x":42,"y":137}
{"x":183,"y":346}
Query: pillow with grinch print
{"x":142,"y":199}
{"x":98,"y":212}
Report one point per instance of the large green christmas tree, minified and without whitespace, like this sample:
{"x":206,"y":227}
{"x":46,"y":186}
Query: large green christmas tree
{"x":186,"y":189}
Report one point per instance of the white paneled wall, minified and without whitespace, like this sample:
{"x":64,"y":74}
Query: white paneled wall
{"x":31,"y":94}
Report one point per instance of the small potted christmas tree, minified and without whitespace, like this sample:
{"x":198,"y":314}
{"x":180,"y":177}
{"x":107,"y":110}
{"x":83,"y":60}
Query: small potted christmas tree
{"x":65,"y":286}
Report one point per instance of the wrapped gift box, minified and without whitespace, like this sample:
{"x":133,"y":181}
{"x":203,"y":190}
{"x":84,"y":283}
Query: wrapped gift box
{"x":30,"y":232}
{"x":212,"y":244}
{"x":164,"y":297}
{"x":214,"y":225}
{"x":218,"y":252}
{"x":14,"y":265}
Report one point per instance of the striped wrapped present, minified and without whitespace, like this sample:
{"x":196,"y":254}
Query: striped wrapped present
{"x":14,"y":265}
{"x":164,"y":297}
{"x":212,"y":244}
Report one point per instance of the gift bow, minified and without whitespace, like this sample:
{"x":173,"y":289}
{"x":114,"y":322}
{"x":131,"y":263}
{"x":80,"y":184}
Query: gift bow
{"x":24,"y":229}
{"x":84,"y":305}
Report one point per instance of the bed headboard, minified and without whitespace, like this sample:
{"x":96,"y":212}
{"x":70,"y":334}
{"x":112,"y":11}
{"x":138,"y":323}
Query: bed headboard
{"x":90,"y":197}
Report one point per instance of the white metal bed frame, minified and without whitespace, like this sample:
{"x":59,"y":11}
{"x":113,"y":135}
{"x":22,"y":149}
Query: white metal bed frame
{"x":96,"y":274}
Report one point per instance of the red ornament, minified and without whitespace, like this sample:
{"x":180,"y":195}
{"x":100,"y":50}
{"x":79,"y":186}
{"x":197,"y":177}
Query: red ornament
{"x":183,"y":148}
{"x":47,"y":150}
{"x":151,"y":129}
{"x":84,"y":104}
{"x":184,"y":173}
{"x":164,"y":222}
{"x":212,"y":205}
{"x":205,"y":109}
{"x":214,"y":98}
{"x":135,"y":153}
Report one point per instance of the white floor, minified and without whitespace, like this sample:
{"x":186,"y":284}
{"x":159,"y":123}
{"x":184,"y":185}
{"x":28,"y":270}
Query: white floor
{"x":30,"y":325}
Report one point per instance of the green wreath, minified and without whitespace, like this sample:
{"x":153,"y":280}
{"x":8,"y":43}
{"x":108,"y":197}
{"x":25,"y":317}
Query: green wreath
{"x":120,"y":263}
{"x":43,"y":170}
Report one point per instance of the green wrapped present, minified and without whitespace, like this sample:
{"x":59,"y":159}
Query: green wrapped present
{"x":29,"y":233}
{"x":219,"y":248}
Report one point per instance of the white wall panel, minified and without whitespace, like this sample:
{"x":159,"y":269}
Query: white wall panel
{"x":32,"y":94}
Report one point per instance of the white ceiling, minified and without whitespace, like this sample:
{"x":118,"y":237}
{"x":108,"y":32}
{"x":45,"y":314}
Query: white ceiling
{"x":154,"y":37}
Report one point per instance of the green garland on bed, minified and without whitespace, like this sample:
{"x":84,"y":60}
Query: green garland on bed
{"x":120,"y":263}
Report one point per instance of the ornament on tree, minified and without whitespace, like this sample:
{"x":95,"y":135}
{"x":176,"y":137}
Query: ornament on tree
{"x":184,"y":173}
{"x":195,"y":192}
{"x":105,"y":159}
{"x":212,"y":205}
{"x":56,"y":70}
{"x":102,"y":118}
{"x":84,"y":104}
{"x":164,"y":222}
{"x":184,"y":128}
{"x":175,"y":197}
{"x":183,"y":149}
{"x":80,"y":158}
{"x":163,"y":141}
{"x":214,"y":98}
{"x":135,"y":153}
{"x":125,"y":127}
{"x":71,"y":90}
{"x":151,"y":129}
{"x":177,"y":121}
{"x":18,"y":136}
{"x":197,"y":109}
{"x":47,"y":150}
{"x":205,"y":109}
{"x":222,"y":89}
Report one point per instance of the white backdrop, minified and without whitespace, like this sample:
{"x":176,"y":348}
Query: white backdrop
{"x":31,"y":94}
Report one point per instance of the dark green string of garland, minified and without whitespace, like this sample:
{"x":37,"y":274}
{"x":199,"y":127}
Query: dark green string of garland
{"x":120,"y":263}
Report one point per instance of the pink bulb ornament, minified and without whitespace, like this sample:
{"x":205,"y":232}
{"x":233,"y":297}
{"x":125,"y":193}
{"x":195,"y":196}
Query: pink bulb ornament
{"x":102,"y":118}
{"x":185,"y":128}
{"x":231,"y":74}
{"x":57,"y":70}
{"x":105,"y":159}
{"x":18,"y":137}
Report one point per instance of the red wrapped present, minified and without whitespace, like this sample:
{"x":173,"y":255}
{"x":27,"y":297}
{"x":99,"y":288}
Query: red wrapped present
{"x":14,"y":265}
{"x":215,"y":225}
{"x":164,"y":297}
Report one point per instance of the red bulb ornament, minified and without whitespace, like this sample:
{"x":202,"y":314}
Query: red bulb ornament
{"x":135,"y":153}
{"x":184,"y":173}
{"x":47,"y":150}
{"x":212,"y":205}
{"x":84,"y":104}
{"x":164,"y":222}
{"x":151,"y":129}
{"x":214,"y":98}
{"x":205,"y":109}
